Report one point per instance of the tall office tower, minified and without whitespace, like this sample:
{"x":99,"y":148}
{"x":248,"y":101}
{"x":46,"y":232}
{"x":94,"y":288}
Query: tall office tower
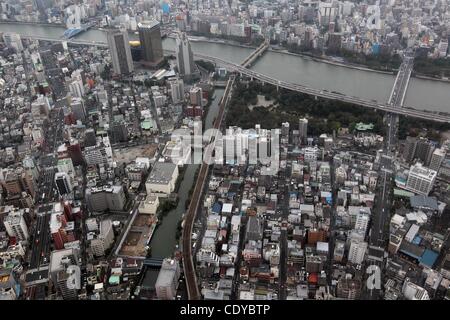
{"x":120,"y":50}
{"x":176,"y":87}
{"x":303,"y":129}
{"x":196,"y":95}
{"x":409,"y":149}
{"x":150,"y":37}
{"x":185,"y":57}
{"x":424,"y":150}
{"x":63,"y":184}
{"x":436,"y":159}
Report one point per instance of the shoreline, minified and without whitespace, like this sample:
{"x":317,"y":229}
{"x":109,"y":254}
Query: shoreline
{"x":323,"y":59}
{"x":328,"y":60}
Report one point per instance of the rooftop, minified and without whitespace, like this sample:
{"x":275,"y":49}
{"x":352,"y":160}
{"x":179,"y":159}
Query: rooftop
{"x":161,"y":173}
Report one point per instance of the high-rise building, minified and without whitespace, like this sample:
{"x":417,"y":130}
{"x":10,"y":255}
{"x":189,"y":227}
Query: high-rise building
{"x":357,"y":251}
{"x":104,"y":240}
{"x":16,"y":226}
{"x":409,"y":149}
{"x":303,"y":129}
{"x":196,"y":96}
{"x":167,"y":281}
{"x":185,"y":57}
{"x":63,"y":183}
{"x":436,"y":159}
{"x":176,"y":87}
{"x":420,"y":179}
{"x":119,"y":48}
{"x":78,"y":110}
{"x":60,"y":260}
{"x":362,"y":221}
{"x":150,"y":38}
{"x":424,"y":150}
{"x":412,"y":291}
{"x":13,"y":40}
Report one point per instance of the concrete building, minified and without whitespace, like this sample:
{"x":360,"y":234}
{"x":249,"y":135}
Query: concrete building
{"x":162,"y":178}
{"x":60,"y":260}
{"x":120,"y":51}
{"x":196,"y":96}
{"x":185,"y":57}
{"x":412,"y":291}
{"x":437,"y":158}
{"x":362,"y":221}
{"x":104,"y":240}
{"x":349,"y":289}
{"x":176,"y":87}
{"x":13,"y":40}
{"x":303,"y":129}
{"x":420,"y":179}
{"x":357,"y":251}
{"x":105,"y":198}
{"x":16,"y":226}
{"x":149,"y":205}
{"x":150,"y":38}
{"x":63,"y":183}
{"x":167,"y":281}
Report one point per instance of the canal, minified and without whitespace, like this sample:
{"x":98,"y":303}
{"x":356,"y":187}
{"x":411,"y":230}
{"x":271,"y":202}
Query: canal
{"x":164,"y":241}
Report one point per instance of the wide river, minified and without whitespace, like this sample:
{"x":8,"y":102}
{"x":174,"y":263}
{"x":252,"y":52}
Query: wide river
{"x":422,"y":94}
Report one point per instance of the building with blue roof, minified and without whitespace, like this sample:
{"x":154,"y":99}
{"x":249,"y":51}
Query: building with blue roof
{"x":217,"y":208}
{"x":428,"y":258}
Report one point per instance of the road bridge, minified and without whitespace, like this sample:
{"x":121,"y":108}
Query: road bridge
{"x":255,"y":54}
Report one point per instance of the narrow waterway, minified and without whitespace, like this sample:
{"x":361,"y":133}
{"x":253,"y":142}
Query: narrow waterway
{"x":163,"y":242}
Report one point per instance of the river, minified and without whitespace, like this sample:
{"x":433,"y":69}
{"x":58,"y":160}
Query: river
{"x":422,"y":94}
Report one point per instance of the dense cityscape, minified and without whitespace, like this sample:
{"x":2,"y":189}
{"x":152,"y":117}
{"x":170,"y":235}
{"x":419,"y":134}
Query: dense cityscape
{"x":148,"y":151}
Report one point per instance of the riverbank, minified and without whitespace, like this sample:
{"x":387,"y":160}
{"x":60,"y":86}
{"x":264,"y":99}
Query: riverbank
{"x":425,"y":77}
{"x":329,"y":60}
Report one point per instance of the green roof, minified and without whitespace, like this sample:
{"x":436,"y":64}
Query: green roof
{"x":148,"y":124}
{"x":360,"y":126}
{"x":403,"y":193}
{"x":114,"y":279}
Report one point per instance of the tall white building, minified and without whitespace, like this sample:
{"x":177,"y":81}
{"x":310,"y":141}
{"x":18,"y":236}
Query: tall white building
{"x":185,"y":57}
{"x":167,"y":281}
{"x":16,"y":226}
{"x":120,"y":50}
{"x":76,"y":88}
{"x":420,"y":179}
{"x":176,"y":87}
{"x":357,"y":251}
{"x":13,"y":40}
